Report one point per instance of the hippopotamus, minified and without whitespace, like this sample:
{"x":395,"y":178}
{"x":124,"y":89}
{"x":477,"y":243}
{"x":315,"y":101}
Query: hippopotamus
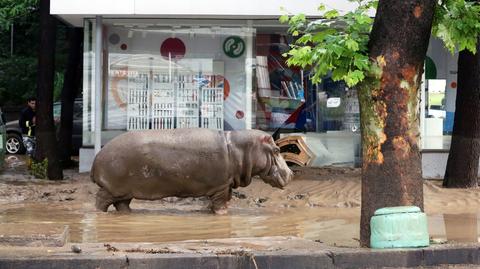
{"x":154,"y":164}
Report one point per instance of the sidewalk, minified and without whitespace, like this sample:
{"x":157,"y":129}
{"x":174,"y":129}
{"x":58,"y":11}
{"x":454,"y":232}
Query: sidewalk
{"x":248,"y":253}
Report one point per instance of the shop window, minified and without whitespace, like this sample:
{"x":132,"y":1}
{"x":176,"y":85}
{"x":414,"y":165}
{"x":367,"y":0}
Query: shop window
{"x":160,"y":76}
{"x":326,"y":115}
{"x":289,"y":101}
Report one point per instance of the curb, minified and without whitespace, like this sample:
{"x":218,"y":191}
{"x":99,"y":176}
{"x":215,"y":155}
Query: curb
{"x":321,"y":258}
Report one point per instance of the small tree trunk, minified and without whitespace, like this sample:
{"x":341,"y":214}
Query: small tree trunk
{"x":70,"y":89}
{"x":45,"y":129}
{"x":391,"y":171}
{"x":462,"y":164}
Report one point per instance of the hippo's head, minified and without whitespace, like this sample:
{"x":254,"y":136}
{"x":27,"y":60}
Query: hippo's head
{"x":275,"y":170}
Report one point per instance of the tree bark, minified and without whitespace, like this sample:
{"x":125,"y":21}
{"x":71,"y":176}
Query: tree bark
{"x":391,"y":169}
{"x":45,"y":129}
{"x":462,"y":164}
{"x":70,"y":89}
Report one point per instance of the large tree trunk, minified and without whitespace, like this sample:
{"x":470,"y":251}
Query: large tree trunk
{"x":462,"y":164}
{"x":391,"y":171}
{"x":70,"y":89}
{"x":45,"y":130}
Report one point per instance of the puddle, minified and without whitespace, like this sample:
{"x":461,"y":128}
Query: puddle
{"x":15,"y":161}
{"x":458,"y":228}
{"x":333,"y":226}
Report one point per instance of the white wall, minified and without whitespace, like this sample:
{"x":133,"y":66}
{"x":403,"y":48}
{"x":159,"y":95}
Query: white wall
{"x":73,"y":11}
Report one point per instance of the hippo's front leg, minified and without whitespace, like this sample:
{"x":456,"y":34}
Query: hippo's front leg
{"x":220,"y":199}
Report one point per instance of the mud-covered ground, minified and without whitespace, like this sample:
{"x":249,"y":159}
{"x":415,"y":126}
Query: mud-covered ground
{"x":329,"y":187}
{"x":312,"y":187}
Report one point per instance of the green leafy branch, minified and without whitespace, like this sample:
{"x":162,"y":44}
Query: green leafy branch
{"x":457,"y":24}
{"x":12,"y":9}
{"x":335,"y":43}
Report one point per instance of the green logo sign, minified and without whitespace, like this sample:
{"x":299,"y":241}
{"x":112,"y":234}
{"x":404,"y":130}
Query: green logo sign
{"x":233,"y":46}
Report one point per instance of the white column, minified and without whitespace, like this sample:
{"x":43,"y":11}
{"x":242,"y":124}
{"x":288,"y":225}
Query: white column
{"x":98,"y":84}
{"x":249,"y":75}
{"x":451,"y":90}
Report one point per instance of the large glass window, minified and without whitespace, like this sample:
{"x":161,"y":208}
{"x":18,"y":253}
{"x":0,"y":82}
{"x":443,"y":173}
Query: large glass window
{"x":162,"y":76}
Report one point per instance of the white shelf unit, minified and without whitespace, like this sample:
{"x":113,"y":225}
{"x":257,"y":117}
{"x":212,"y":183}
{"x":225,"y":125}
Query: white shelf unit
{"x":187,"y":101}
{"x":155,"y":102}
{"x":138,"y":103}
{"x":211,"y":108}
{"x":163,"y":102}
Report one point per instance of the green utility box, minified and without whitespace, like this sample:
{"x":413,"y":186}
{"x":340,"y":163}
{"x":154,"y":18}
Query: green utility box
{"x":399,"y":227}
{"x":3,"y":137}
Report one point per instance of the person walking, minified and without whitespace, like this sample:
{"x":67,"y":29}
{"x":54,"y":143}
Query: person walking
{"x":27,"y":118}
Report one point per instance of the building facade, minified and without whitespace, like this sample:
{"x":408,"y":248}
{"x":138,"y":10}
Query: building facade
{"x":218,"y":64}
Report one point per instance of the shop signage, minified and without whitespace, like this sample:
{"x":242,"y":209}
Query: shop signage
{"x":333,"y":102}
{"x":233,"y":46}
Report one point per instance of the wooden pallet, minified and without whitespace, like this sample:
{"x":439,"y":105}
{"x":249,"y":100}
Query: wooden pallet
{"x":303,"y":158}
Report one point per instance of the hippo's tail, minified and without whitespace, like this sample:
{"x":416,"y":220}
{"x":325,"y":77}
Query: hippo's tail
{"x":92,"y":171}
{"x":92,"y":174}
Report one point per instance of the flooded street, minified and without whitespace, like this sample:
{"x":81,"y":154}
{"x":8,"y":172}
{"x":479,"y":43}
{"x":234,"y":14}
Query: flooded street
{"x":320,"y":204}
{"x":168,"y":225}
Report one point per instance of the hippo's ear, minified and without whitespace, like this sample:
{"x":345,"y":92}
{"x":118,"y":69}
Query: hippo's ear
{"x":266,"y":139}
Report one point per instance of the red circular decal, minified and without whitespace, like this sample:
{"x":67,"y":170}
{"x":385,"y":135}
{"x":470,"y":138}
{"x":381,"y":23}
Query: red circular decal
{"x":226,"y":85}
{"x":240,"y":114}
{"x":123,"y":46}
{"x":173,"y":47}
{"x":453,"y":85}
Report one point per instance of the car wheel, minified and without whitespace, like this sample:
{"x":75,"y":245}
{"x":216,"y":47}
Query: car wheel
{"x":14,"y":144}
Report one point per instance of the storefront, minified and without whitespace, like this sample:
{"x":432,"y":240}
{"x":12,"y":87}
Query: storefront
{"x":218,"y":74}
{"x":183,"y":65}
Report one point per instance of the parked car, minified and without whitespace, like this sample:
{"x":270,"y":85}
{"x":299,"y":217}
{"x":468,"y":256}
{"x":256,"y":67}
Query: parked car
{"x":14,"y":141}
{"x":437,"y":111}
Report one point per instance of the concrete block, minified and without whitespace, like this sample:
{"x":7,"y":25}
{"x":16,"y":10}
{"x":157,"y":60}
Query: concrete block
{"x":174,"y":261}
{"x":297,"y":261}
{"x":452,"y":255}
{"x":65,"y":263}
{"x":378,"y":258}
{"x":86,"y":156}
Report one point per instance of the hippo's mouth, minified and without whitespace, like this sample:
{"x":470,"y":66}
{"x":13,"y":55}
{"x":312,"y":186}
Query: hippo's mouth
{"x":274,"y":179}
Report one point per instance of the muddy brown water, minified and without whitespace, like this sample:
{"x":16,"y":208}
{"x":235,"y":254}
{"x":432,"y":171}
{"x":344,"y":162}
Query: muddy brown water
{"x":172,"y":225}
{"x":320,"y":204}
{"x":337,"y":227}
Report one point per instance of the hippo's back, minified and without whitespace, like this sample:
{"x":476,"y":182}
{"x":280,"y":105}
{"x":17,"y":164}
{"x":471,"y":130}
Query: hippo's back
{"x":183,"y":160}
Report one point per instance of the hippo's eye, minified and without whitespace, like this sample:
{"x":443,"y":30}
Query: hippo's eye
{"x":276,"y":150}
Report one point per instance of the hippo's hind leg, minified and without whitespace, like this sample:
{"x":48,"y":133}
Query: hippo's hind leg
{"x":219,"y":201}
{"x":103,"y":200}
{"x":123,"y":205}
